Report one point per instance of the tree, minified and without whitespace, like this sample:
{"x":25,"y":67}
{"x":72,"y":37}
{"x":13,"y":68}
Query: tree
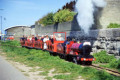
{"x":64,"y":16}
{"x":47,"y":20}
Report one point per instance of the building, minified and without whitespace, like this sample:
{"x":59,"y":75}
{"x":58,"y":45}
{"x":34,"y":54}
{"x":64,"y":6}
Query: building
{"x":32,"y":27}
{"x":19,"y":31}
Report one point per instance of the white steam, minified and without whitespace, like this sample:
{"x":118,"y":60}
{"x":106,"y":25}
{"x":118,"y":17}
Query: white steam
{"x":85,"y":9}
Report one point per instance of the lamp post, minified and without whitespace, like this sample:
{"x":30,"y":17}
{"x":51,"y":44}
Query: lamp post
{"x":1,"y":24}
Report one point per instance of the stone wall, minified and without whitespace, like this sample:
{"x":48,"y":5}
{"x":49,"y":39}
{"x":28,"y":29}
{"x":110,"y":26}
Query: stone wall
{"x":101,"y":39}
{"x":72,"y":29}
{"x":18,"y":32}
{"x":60,"y":27}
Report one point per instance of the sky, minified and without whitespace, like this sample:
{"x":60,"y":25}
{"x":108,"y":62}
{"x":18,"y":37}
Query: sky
{"x":26,"y":12}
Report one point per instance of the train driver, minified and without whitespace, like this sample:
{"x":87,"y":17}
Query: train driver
{"x":59,"y":38}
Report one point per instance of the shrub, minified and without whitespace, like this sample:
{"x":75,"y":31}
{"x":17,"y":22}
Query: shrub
{"x":103,"y":57}
{"x":47,"y":20}
{"x":113,"y":25}
{"x":115,"y":64}
{"x":64,"y":16}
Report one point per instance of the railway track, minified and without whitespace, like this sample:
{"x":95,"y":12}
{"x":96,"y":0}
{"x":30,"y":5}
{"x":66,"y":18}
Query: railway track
{"x":110,"y":71}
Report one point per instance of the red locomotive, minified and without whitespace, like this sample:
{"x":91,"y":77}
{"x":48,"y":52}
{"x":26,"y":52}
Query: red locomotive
{"x":65,"y":48}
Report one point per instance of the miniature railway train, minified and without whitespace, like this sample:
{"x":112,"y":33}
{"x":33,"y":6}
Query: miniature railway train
{"x":72,"y":51}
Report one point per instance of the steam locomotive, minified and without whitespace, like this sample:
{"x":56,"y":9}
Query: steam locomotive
{"x":72,"y":51}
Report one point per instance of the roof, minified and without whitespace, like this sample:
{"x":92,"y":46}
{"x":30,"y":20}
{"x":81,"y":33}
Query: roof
{"x":15,"y":27}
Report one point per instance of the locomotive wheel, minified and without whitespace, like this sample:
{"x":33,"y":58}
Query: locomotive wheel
{"x":63,"y":57}
{"x":86,"y":62}
{"x":75,"y":60}
{"x":51,"y":53}
{"x":60,"y":56}
{"x":89,"y":63}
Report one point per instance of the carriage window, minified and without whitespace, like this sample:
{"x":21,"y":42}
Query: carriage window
{"x":59,"y":36}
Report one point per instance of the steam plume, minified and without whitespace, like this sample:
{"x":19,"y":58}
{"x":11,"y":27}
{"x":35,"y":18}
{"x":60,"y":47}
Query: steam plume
{"x":85,"y":9}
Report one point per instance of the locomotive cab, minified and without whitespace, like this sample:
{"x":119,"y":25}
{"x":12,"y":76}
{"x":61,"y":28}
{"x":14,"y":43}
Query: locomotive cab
{"x":59,"y":38}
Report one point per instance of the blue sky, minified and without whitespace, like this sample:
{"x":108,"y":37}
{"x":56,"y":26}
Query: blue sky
{"x":26,"y":12}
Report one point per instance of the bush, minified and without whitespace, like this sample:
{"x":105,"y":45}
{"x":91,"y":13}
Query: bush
{"x":61,"y":16}
{"x":64,"y":16}
{"x":103,"y":57}
{"x":115,"y":64}
{"x":113,"y":25}
{"x":47,"y":20}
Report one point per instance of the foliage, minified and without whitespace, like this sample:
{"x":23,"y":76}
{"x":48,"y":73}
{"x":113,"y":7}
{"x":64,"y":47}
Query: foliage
{"x":43,"y":59}
{"x":64,"y":16}
{"x":113,"y":25}
{"x":47,"y":20}
{"x":115,"y":64}
{"x":61,"y":16}
{"x":103,"y":57}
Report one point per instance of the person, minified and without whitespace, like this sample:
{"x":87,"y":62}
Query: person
{"x":44,"y":40}
{"x":51,"y":38}
{"x":78,"y":42}
{"x":59,"y":38}
{"x":36,"y":38}
{"x":23,"y":38}
{"x":33,"y":38}
{"x":66,"y":42}
{"x":28,"y":38}
{"x":42,"y":37}
{"x":39,"y":38}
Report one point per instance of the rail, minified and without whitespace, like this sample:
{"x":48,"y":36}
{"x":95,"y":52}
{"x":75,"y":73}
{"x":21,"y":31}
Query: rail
{"x":110,"y":71}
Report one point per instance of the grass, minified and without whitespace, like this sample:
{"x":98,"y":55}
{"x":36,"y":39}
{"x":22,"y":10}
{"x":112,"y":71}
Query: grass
{"x":42,"y":59}
{"x":32,"y":70}
{"x":109,"y":60}
{"x":48,"y":78}
{"x":45,"y":73}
